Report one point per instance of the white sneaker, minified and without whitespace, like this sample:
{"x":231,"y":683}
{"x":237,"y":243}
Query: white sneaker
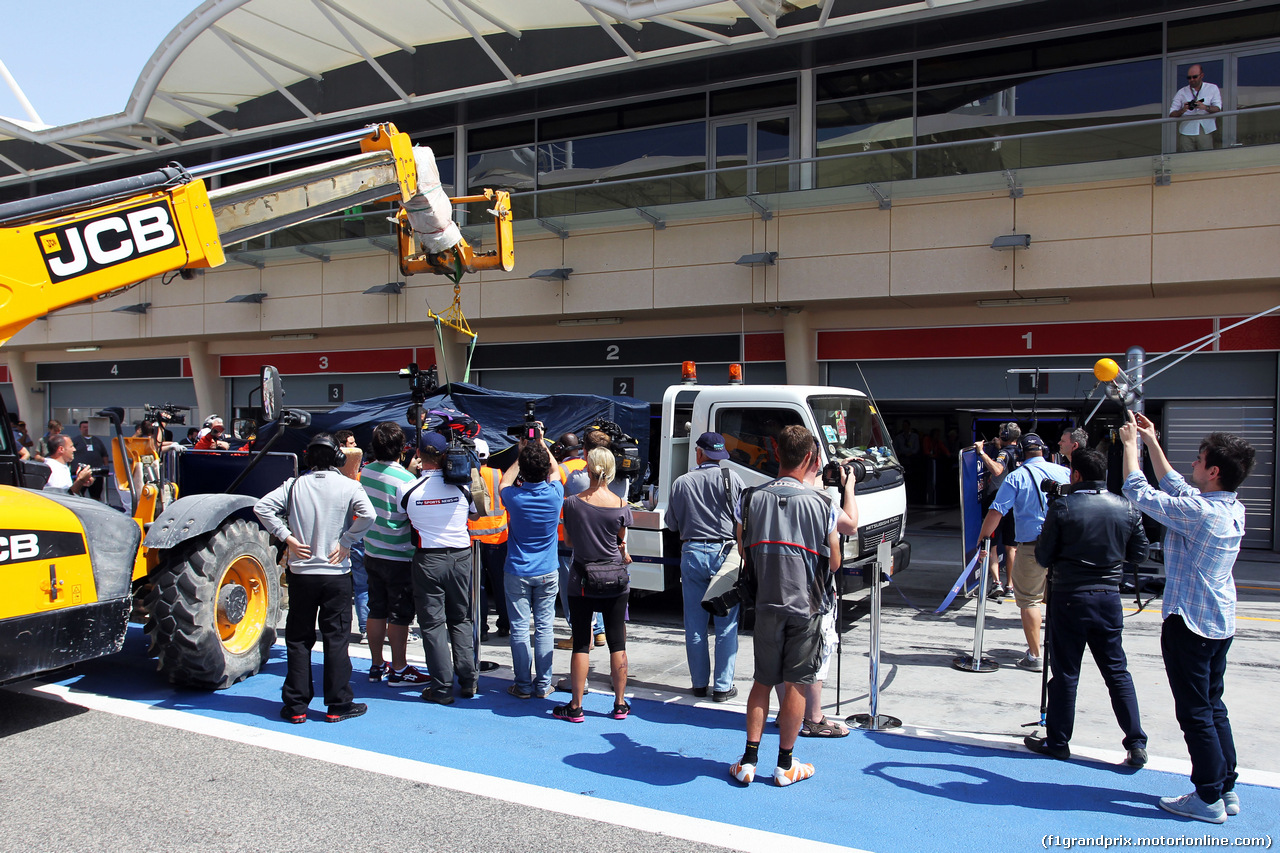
{"x":1231,"y":800}
{"x":1190,"y":805}
{"x":797,"y":772}
{"x":744,"y":773}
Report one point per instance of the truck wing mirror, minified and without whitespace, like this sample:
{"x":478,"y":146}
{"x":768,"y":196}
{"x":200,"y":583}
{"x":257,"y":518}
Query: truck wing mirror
{"x":272,"y":393}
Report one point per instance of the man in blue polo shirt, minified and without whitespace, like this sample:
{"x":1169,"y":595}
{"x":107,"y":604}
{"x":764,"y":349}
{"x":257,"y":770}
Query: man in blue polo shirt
{"x":1203,"y":528}
{"x":1021,"y":493}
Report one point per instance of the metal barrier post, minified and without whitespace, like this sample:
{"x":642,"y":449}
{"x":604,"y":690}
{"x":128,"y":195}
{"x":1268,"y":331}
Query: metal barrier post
{"x":876,"y":721}
{"x":976,"y":662}
{"x":476,"y":616}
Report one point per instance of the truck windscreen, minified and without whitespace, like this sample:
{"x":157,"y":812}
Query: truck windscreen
{"x":850,"y":428}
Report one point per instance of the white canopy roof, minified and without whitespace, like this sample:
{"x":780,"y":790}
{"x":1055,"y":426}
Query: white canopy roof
{"x":229,"y":52}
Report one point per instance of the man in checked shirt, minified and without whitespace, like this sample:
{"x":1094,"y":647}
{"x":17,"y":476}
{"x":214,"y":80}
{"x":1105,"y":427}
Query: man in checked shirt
{"x":1204,"y":523}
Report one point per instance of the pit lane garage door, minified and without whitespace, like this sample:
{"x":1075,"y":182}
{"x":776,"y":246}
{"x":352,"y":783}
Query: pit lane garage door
{"x":1185,"y":424}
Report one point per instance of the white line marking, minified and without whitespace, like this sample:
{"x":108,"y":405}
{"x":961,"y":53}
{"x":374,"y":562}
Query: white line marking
{"x":1264,"y":778}
{"x":520,"y":793}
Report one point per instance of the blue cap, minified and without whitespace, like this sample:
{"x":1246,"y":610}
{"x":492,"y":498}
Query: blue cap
{"x":1031,"y":441}
{"x":712,"y":446}
{"x":433,"y":442}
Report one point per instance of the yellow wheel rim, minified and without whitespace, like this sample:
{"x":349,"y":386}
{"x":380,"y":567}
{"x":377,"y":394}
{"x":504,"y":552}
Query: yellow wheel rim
{"x":249,"y":574}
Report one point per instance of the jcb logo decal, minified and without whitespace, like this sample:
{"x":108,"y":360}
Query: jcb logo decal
{"x":22,"y":546}
{"x":93,"y":244}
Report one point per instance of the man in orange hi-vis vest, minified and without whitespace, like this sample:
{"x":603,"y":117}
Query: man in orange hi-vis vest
{"x":568,"y":451}
{"x":491,"y":532}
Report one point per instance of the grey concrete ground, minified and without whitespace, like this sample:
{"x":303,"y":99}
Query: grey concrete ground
{"x":919,"y":685}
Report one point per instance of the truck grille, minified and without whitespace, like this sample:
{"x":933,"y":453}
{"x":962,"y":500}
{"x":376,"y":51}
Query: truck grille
{"x":870,"y":535}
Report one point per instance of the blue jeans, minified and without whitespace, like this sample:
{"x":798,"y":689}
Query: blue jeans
{"x":566,"y":559}
{"x":699,"y":561}
{"x":360,"y":578}
{"x":536,"y":597}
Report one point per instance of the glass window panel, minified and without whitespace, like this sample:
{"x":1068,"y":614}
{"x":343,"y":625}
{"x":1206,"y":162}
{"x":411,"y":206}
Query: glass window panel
{"x":502,"y":136}
{"x":864,"y":81}
{"x":631,"y":116}
{"x":655,"y":152}
{"x":1258,"y":85}
{"x":762,"y":96}
{"x":1223,"y":29}
{"x":513,"y":169}
{"x":731,"y":150}
{"x":1041,"y":56}
{"x":860,"y":126}
{"x":1079,"y":98}
{"x":751,"y":435}
{"x":773,"y":144}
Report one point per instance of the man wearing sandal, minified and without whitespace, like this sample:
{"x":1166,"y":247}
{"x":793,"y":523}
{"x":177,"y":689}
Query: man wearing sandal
{"x":787,"y":533}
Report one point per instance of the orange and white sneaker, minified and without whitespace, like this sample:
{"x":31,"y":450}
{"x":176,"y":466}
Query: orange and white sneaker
{"x":798,"y":771}
{"x":744,"y":773}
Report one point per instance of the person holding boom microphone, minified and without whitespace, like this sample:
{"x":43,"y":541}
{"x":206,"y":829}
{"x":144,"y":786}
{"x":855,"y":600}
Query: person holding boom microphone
{"x":1089,"y":535}
{"x":1204,"y":524}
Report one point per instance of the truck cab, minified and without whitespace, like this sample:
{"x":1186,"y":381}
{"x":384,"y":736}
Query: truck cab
{"x":750,"y":417}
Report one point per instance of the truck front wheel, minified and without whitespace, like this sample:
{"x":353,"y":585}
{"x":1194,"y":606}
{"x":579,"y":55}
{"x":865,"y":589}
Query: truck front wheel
{"x":214,"y":603}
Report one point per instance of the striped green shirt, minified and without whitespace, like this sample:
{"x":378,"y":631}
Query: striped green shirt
{"x":389,"y":537}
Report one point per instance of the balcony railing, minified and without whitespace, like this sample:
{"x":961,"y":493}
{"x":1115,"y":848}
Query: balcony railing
{"x":1097,"y":152}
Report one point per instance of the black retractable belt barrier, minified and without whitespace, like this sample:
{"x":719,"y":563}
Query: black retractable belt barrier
{"x":876,"y":721}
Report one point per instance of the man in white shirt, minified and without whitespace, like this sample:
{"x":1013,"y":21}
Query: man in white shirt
{"x":1196,"y":99}
{"x":61,"y":452}
{"x":441,"y":572}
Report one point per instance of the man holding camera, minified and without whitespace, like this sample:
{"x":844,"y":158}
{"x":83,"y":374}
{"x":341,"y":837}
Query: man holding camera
{"x":61,"y":454}
{"x":1204,"y":525}
{"x":441,"y":571}
{"x":787,"y":533}
{"x":1197,"y":98}
{"x":1089,"y":535}
{"x":1022,"y":494}
{"x":701,"y":513}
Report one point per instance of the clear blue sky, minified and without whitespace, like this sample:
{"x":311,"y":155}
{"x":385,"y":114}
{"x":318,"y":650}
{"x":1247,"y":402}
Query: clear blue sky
{"x":79,"y":59}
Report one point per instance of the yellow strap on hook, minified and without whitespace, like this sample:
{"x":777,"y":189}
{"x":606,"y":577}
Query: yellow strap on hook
{"x":452,"y":316}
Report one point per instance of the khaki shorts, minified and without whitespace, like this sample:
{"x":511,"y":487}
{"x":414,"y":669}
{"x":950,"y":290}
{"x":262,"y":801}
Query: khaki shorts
{"x":1027,"y":577}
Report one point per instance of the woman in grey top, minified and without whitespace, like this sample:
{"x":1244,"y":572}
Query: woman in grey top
{"x":595,"y":527}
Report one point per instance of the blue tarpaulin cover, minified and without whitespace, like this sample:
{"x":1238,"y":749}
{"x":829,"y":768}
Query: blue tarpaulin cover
{"x":495,"y":410}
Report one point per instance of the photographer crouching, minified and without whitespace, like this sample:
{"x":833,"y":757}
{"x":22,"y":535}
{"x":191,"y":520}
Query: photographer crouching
{"x":1089,"y":535}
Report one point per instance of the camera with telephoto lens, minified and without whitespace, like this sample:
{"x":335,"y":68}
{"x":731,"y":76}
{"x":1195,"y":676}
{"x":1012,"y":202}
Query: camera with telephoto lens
{"x":1054,"y":489}
{"x":422,"y":383}
{"x":625,"y":449}
{"x":169,"y":413}
{"x":527,"y":431}
{"x":831,"y":472}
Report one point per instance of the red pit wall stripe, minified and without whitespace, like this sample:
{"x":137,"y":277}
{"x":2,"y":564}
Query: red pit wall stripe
{"x":4,"y":374}
{"x":1042,"y":339}
{"x":765,"y":346}
{"x":1260,"y":334}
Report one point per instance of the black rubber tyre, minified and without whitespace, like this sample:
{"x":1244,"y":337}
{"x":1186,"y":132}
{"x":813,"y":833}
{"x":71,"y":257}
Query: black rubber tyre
{"x":213,"y":605}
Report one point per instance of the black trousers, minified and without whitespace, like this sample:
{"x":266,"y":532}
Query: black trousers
{"x":324,"y":600}
{"x":1196,"y":667}
{"x":1091,"y":618}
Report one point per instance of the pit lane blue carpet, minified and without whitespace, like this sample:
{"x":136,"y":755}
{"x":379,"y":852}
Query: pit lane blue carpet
{"x":874,"y":791}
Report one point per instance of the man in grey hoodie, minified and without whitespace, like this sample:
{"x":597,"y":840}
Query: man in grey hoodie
{"x":318,"y":516}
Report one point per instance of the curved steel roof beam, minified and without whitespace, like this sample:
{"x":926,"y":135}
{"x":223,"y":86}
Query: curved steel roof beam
{"x":479,"y":39}
{"x":610,"y":31}
{"x":691,"y":29}
{"x":241,"y":51}
{"x":385,"y":36}
{"x":176,"y":104}
{"x":491,"y":18}
{"x":368,"y":57}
